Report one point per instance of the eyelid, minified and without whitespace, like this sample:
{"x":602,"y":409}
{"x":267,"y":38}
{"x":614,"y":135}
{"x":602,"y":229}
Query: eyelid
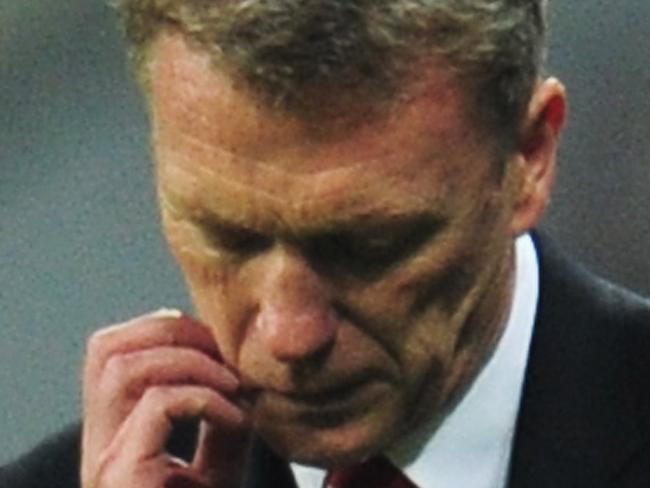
{"x":406,"y":233}
{"x":355,"y":252}
{"x":378,"y":243}
{"x":238,"y":240}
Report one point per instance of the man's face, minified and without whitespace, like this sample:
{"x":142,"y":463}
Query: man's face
{"x":355,"y":279}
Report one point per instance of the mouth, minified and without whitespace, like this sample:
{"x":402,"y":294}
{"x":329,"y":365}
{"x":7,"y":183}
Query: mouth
{"x":323,"y":395}
{"x":319,"y":407}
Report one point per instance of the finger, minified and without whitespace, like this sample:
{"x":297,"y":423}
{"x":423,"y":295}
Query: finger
{"x":144,"y":434}
{"x":220,"y":454}
{"x":127,"y":376}
{"x":152,"y":330}
{"x":131,"y":373}
{"x":158,"y":472}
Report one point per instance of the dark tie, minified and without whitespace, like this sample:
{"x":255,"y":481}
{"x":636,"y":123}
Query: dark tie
{"x":377,"y":472}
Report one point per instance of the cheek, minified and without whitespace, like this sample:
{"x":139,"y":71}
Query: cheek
{"x":419,"y":311}
{"x":415,"y":337}
{"x":426,"y":290}
{"x":212,"y":288}
{"x":419,"y":340}
{"x":212,"y":282}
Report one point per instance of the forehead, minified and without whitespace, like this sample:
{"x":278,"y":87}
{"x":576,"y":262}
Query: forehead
{"x":210,"y":126}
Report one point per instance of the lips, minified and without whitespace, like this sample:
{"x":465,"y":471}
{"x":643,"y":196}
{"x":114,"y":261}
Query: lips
{"x":329,"y":405}
{"x":314,"y":390}
{"x":325,"y":394}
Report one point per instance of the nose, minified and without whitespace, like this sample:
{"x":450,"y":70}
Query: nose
{"x":296,"y":320}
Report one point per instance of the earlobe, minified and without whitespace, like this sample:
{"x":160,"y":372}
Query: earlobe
{"x":537,"y":154}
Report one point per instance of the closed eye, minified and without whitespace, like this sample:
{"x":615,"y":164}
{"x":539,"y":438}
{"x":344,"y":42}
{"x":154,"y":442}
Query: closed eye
{"x":234,"y":239}
{"x":371,"y":252}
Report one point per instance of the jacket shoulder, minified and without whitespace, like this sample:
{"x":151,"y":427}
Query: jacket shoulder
{"x":52,"y":464}
{"x":585,"y":409}
{"x":606,"y":325}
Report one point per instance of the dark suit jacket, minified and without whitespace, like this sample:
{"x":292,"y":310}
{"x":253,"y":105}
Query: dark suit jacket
{"x":585,"y":414}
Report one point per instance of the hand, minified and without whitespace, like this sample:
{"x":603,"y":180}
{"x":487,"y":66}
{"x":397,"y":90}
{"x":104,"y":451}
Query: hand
{"x":138,"y":378}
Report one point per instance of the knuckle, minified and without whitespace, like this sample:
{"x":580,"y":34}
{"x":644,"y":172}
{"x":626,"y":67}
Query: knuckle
{"x":155,"y":395}
{"x":95,"y":343}
{"x":121,"y":381}
{"x":118,"y":367}
{"x":100,"y":341}
{"x":97,"y":349}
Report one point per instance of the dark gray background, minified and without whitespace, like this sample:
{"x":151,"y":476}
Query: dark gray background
{"x":79,"y":243}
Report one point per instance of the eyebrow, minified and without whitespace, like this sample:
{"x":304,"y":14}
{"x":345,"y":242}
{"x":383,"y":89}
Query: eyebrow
{"x":331,"y":224}
{"x":356,"y":227}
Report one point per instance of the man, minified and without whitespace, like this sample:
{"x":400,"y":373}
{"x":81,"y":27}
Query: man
{"x":349,"y":188}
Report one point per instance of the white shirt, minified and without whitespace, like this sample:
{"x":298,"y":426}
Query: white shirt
{"x":471,"y":447}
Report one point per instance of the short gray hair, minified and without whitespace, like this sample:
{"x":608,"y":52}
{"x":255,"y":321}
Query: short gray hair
{"x":290,"y":49}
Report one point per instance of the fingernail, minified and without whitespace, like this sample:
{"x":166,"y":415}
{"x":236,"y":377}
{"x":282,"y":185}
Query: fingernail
{"x":167,"y":313}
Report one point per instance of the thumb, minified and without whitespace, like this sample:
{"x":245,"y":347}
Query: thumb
{"x":221,"y":453}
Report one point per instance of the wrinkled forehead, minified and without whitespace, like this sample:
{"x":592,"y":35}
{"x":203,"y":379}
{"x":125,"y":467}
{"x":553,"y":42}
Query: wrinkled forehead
{"x":188,"y":92}
{"x":210,"y":131}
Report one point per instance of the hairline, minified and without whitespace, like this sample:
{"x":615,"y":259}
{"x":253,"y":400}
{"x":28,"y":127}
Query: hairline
{"x":142,"y":59}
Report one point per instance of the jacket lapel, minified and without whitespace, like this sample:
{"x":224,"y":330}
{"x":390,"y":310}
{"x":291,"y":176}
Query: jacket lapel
{"x":576,"y":425}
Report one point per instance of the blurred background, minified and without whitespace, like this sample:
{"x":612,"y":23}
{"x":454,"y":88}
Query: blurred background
{"x":79,"y":242}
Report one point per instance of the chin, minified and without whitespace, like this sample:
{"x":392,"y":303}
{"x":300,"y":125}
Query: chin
{"x":326,"y":437}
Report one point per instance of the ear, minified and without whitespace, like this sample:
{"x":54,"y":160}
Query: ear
{"x":536,"y":156}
